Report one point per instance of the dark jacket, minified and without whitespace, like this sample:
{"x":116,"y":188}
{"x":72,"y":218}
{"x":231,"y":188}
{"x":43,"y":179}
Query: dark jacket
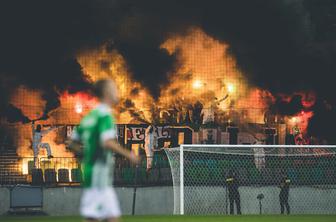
{"x":284,"y":186}
{"x":232,"y":183}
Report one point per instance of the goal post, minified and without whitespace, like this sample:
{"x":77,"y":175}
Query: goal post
{"x":181,"y":180}
{"x":201,"y":175}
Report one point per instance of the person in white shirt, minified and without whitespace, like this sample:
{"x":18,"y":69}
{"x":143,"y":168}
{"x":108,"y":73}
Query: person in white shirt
{"x":38,"y":133}
{"x":151,"y":143}
{"x":259,"y":155}
{"x":208,"y":113}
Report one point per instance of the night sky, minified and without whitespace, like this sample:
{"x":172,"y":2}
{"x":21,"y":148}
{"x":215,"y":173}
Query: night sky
{"x":284,"y":46}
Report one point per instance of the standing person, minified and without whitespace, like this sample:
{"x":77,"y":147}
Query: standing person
{"x":97,"y":133}
{"x":208,"y":114}
{"x":259,"y":155}
{"x":234,"y":196}
{"x":151,"y":143}
{"x":284,"y":193}
{"x":38,"y":133}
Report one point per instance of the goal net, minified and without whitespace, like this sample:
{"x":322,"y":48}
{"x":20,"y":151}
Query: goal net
{"x":267,"y":179}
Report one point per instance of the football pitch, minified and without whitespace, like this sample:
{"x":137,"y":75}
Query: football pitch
{"x":246,"y":218}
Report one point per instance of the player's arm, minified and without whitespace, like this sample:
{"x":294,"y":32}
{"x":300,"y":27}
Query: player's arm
{"x":108,"y":139}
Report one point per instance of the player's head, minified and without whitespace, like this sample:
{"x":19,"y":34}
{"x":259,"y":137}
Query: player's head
{"x":38,"y":128}
{"x":106,"y":91}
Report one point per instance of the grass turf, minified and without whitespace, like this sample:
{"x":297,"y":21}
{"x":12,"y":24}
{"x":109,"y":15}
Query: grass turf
{"x":246,"y":218}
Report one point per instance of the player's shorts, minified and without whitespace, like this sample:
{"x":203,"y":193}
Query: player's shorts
{"x":99,"y":203}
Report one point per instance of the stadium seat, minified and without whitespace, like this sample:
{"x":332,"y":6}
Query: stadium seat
{"x":117,"y":176}
{"x":165,"y":162}
{"x":143,"y":163}
{"x":156,"y":161}
{"x":63,"y":176}
{"x":30,"y":166}
{"x":165,"y":175}
{"x":153,"y":176}
{"x":142,"y":177}
{"x":128,"y":175}
{"x":50,"y":177}
{"x":37,"y":177}
{"x":76,"y":175}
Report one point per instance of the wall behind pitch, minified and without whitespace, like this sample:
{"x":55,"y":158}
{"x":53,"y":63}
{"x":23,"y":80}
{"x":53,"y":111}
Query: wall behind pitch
{"x":4,"y":200}
{"x":149,"y":200}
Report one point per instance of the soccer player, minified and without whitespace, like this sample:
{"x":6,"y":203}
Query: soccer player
{"x":97,"y":133}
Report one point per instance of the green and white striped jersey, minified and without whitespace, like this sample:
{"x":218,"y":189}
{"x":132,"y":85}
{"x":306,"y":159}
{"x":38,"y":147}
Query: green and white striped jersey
{"x":98,"y":163}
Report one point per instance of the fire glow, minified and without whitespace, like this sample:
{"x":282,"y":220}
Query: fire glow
{"x":301,"y":121}
{"x":197,"y":84}
{"x":207,"y":73}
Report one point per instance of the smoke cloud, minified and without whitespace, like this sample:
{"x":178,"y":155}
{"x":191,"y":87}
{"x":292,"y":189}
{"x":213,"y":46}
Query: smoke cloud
{"x":283,"y":46}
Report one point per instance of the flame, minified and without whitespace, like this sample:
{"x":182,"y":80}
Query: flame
{"x":204,"y":64}
{"x":230,"y":88}
{"x":74,"y":106}
{"x":197,"y":84}
{"x":101,"y":63}
{"x":301,"y":121}
{"x":255,"y":105}
{"x":79,"y":108}
{"x":308,"y":99}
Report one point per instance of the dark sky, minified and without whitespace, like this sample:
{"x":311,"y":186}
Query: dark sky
{"x":281,"y":45}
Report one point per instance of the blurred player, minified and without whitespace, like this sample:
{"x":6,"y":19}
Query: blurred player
{"x":38,"y":133}
{"x":97,"y":134}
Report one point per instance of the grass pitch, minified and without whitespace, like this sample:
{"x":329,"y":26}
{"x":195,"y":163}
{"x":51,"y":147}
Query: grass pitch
{"x":244,"y":218}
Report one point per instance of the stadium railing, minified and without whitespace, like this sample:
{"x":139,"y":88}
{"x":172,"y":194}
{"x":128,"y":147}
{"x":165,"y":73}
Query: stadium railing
{"x":66,"y":171}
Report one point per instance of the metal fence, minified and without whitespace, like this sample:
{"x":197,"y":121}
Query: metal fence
{"x":67,"y":171}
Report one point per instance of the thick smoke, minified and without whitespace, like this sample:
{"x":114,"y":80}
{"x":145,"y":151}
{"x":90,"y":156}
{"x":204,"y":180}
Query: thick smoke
{"x":282,"y":45}
{"x":38,"y":42}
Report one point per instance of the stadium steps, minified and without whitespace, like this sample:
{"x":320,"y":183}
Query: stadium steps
{"x":10,"y":169}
